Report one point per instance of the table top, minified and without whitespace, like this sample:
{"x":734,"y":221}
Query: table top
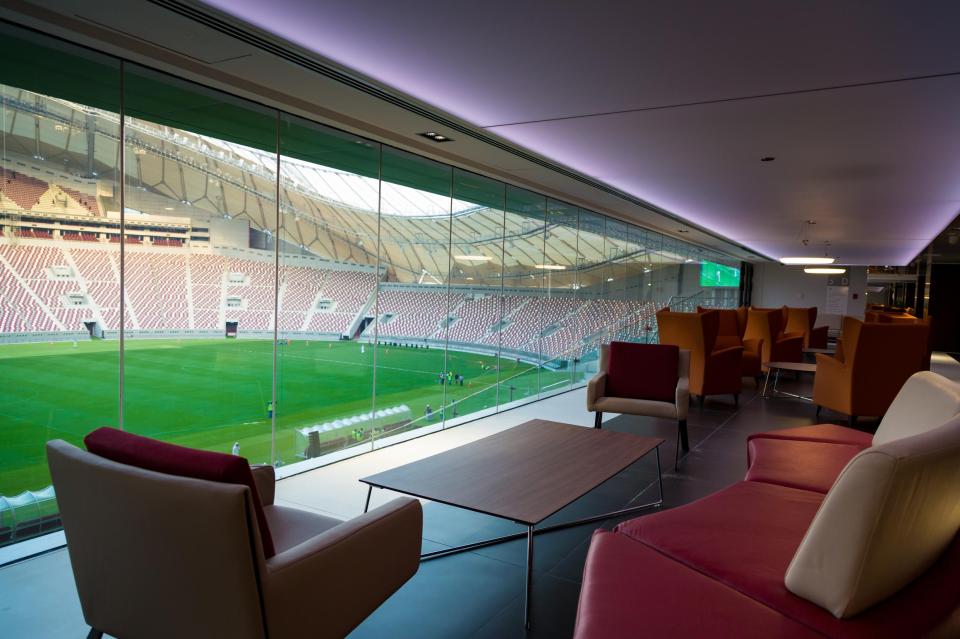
{"x":524,"y":474}
{"x":803,"y":367}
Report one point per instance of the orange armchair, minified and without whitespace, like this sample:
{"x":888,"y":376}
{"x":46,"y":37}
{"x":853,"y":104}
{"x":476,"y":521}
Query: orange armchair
{"x":712,"y":371}
{"x":802,"y":320}
{"x":777,"y":346}
{"x":733,"y":323}
{"x":875,"y":362}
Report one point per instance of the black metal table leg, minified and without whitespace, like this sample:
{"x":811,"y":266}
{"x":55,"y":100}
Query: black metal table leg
{"x":526,"y":600}
{"x":366,"y":506}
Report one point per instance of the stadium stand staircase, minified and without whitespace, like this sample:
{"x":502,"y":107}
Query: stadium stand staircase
{"x":92,"y":307}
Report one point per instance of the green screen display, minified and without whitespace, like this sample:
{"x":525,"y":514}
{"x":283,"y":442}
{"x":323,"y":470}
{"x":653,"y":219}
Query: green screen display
{"x":713,"y":274}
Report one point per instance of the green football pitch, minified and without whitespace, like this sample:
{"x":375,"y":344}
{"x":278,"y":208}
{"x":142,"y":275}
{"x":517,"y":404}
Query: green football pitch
{"x":212,"y":393}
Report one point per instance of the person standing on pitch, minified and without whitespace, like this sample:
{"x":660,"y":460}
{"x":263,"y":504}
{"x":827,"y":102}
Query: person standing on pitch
{"x":236,"y":448}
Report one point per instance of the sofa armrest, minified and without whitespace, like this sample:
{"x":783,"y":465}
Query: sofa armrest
{"x":596,"y":388}
{"x":818,"y":336}
{"x":266,"y":481}
{"x":727,"y":355}
{"x":789,"y":348}
{"x":343,"y":574}
{"x":753,"y":345}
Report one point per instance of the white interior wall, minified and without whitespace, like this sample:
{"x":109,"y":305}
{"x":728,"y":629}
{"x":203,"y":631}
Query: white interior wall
{"x":778,"y":285}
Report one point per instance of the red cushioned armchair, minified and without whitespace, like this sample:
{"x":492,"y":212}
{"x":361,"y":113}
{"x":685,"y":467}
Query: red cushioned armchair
{"x":185,"y":543}
{"x":642,"y":379}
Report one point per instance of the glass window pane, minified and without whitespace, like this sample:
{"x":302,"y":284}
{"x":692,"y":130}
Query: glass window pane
{"x":413,"y":376}
{"x":523,"y":303}
{"x":560,"y":338}
{"x":199,"y":266}
{"x":476,"y":280}
{"x":328,"y":281}
{"x":59,"y":282}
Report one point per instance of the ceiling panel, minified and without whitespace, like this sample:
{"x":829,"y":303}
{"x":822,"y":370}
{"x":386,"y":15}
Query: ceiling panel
{"x":874,"y":161}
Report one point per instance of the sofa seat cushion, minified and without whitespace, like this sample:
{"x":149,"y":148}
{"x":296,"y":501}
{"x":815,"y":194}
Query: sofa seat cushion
{"x":745,"y":534}
{"x":292,"y":526}
{"x":745,"y":537}
{"x":631,"y":590}
{"x":798,"y":464}
{"x":829,"y":433}
{"x":151,"y":454}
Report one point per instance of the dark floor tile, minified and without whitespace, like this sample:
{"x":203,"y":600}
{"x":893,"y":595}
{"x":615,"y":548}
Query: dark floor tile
{"x":448,"y":597}
{"x":553,"y":612}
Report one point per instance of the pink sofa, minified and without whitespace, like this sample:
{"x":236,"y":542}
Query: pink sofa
{"x":730,"y":565}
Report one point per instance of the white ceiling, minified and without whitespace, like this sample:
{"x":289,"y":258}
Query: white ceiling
{"x":876,"y":165}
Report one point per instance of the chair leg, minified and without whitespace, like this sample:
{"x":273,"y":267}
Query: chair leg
{"x":852,"y":422}
{"x":682,"y":442}
{"x":819,"y":408}
{"x":95,"y":634}
{"x":597,"y":419}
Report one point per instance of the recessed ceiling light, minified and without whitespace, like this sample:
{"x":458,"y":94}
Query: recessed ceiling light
{"x":825,"y":270}
{"x":435,"y":137}
{"x":807,"y":260}
{"x":768,"y":158}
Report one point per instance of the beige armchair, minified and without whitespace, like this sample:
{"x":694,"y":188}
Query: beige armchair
{"x":600,"y":399}
{"x":157,"y":555}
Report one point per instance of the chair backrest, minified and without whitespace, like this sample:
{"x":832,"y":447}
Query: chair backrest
{"x":694,"y":332}
{"x":764,"y":324}
{"x":926,"y":401}
{"x":882,"y":357}
{"x":732,"y":321}
{"x":801,"y":320}
{"x":155,"y":553}
{"x":642,"y":371}
{"x":888,"y":517}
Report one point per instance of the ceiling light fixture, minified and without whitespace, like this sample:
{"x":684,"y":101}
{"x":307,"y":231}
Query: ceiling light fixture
{"x":550,"y":267}
{"x":435,"y":137}
{"x":807,"y":260}
{"x":822,"y":270}
{"x":473,"y":258}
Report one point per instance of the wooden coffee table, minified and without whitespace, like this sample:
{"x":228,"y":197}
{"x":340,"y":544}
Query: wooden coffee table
{"x":799,"y":367}
{"x":524,"y":474}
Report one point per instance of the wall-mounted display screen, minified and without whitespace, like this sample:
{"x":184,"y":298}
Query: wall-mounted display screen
{"x":713,"y":274}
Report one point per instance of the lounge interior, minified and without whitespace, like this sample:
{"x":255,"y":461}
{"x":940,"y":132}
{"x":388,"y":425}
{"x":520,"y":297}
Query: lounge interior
{"x":651,"y":309}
